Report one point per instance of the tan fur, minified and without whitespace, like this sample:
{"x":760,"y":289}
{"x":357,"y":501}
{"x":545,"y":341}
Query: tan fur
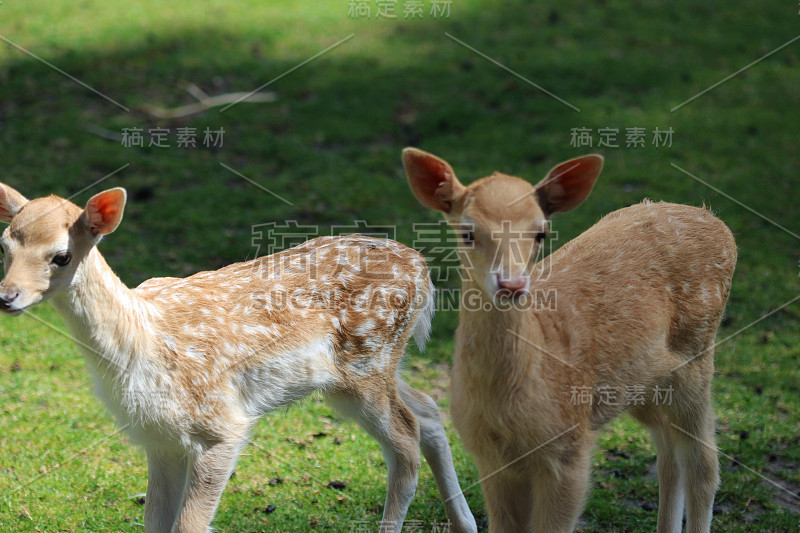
{"x":187,"y":366}
{"x":637,"y":301}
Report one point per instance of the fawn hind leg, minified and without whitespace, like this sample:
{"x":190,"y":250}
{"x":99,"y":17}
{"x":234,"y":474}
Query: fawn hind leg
{"x":702,"y":477}
{"x":671,"y":474}
{"x":694,"y":430}
{"x":683,"y":431}
{"x":688,"y":469}
{"x":436,"y":449}
{"x":387,"y":419}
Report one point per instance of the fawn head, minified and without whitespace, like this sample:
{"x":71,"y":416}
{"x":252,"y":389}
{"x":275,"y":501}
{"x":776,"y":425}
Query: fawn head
{"x":502,"y":221}
{"x":47,"y":240}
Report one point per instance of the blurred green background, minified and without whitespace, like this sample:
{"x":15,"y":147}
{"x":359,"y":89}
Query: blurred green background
{"x":329,"y":145}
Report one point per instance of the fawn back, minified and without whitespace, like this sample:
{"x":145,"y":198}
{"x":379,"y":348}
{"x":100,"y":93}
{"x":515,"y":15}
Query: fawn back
{"x":621,"y":318}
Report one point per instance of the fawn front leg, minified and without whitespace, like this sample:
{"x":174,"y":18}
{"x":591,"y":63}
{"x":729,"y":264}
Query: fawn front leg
{"x":509,"y":501}
{"x":166,"y":477}
{"x":208,"y":473}
{"x":559,"y":495}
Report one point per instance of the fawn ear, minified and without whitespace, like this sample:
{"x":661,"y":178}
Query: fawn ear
{"x":104,"y":211}
{"x":432,"y":180}
{"x":10,"y":203}
{"x":568,"y":184}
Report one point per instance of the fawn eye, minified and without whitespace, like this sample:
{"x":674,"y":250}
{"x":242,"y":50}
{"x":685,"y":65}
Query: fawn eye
{"x":62,"y":259}
{"x":540,"y":236}
{"x":469,"y":238}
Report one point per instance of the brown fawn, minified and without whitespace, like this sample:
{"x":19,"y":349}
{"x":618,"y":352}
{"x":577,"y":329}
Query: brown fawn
{"x":554,"y":350}
{"x":187,"y":366}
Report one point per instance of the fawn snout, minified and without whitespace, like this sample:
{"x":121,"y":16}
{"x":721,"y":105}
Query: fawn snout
{"x":8,"y":295}
{"x":513,"y":285}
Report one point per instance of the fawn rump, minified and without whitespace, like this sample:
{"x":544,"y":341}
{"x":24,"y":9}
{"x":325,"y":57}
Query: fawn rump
{"x":622,"y":318}
{"x":187,"y":366}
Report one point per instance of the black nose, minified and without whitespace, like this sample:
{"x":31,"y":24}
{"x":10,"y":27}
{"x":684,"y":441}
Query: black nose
{"x":7,"y":297}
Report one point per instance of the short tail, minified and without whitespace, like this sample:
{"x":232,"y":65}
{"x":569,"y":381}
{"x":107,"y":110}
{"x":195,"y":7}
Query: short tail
{"x":422,"y":328}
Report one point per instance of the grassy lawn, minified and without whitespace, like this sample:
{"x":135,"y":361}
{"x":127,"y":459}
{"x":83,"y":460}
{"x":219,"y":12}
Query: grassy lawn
{"x":328,"y":152}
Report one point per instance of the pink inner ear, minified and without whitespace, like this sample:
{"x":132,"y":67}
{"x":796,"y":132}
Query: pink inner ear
{"x":569,"y":183}
{"x":431,"y":179}
{"x":436,"y":177}
{"x":577,"y":171}
{"x":10,"y":203}
{"x":105,"y":211}
{"x":106,"y":208}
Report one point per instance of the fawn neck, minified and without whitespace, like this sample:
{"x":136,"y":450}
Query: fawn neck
{"x":108,"y":320}
{"x":506,"y":333}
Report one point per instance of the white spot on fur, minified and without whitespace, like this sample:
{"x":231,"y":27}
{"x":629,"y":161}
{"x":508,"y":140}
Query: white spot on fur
{"x":194,"y":353}
{"x":365,"y":328}
{"x":169,"y":342}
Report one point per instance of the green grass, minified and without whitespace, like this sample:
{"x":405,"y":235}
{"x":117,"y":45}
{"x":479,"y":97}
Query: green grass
{"x":330,"y":145}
